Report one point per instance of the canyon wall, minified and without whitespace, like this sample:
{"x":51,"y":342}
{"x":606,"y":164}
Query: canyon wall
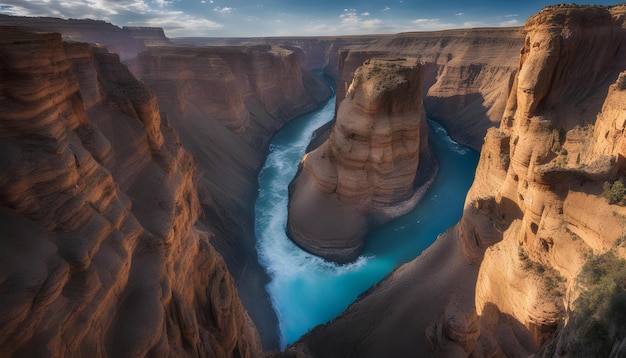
{"x":226,"y":103}
{"x":506,"y":280}
{"x":127,"y":42}
{"x":318,"y":52}
{"x":368,"y":171}
{"x":466,"y":79}
{"x":102,"y":251}
{"x":467,"y":75}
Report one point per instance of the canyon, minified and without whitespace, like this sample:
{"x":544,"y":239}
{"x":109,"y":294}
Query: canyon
{"x":375,"y":165}
{"x":128,"y":183}
{"x":505,"y":281}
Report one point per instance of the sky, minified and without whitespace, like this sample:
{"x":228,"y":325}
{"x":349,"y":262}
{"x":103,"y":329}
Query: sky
{"x":251,"y":18}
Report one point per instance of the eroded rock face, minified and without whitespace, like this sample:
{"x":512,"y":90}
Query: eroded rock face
{"x":252,"y":90}
{"x":467,"y":74}
{"x":559,"y":142}
{"x":101,"y":255}
{"x":367,"y":171}
{"x":226,"y":103}
{"x":532,"y":217}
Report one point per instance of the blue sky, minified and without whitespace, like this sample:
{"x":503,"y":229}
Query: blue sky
{"x":284,"y":17}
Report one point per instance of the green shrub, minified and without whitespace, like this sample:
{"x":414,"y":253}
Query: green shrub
{"x":615,"y":192}
{"x":600,"y":310}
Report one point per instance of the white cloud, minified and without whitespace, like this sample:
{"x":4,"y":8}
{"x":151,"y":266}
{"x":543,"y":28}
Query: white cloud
{"x":431,"y":25}
{"x":162,"y":3}
{"x":224,"y":10}
{"x":458,"y":14}
{"x":511,"y":15}
{"x":351,"y":22}
{"x":183,"y":25}
{"x":156,"y":13}
{"x":512,"y":22}
{"x":387,"y":8}
{"x":471,"y":24}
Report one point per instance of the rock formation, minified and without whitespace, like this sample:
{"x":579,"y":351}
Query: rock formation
{"x":467,"y":73}
{"x":505,"y":280}
{"x":100,"y":245}
{"x":225,"y":112}
{"x":127,"y":42}
{"x":226,"y":103}
{"x":252,"y":90}
{"x":367,"y":171}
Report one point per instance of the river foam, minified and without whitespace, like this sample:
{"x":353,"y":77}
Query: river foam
{"x":306,"y":290}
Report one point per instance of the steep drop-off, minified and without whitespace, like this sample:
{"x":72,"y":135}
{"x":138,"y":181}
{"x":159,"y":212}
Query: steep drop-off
{"x":101,"y":251}
{"x":372,"y":167}
{"x":226,"y":103}
{"x":505,"y":280}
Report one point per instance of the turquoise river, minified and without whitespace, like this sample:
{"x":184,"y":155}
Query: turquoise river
{"x":306,"y":290}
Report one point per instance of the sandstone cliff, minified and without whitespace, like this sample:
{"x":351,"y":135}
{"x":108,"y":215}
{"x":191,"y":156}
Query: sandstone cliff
{"x":226,"y":103}
{"x":467,"y":74}
{"x":505,"y":281}
{"x":367,"y":171}
{"x":101,"y":251}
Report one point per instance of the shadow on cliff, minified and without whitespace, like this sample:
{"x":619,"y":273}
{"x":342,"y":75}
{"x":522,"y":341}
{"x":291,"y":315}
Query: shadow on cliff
{"x":464,"y":116}
{"x":503,"y":335}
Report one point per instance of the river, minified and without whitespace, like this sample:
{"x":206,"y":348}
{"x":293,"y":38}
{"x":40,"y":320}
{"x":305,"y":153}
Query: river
{"x":306,"y":290}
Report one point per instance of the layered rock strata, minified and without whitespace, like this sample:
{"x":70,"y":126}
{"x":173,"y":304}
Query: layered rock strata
{"x":367,"y":171}
{"x":504,"y":280}
{"x":467,"y":73}
{"x":226,"y":103}
{"x":127,"y":42}
{"x":101,"y":251}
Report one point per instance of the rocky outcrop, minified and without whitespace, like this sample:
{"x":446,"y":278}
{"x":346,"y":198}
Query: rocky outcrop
{"x":101,"y":250}
{"x":504,"y":281}
{"x":467,"y":74}
{"x":367,"y":172}
{"x":226,"y":103}
{"x":127,"y":42}
{"x":552,"y":168}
